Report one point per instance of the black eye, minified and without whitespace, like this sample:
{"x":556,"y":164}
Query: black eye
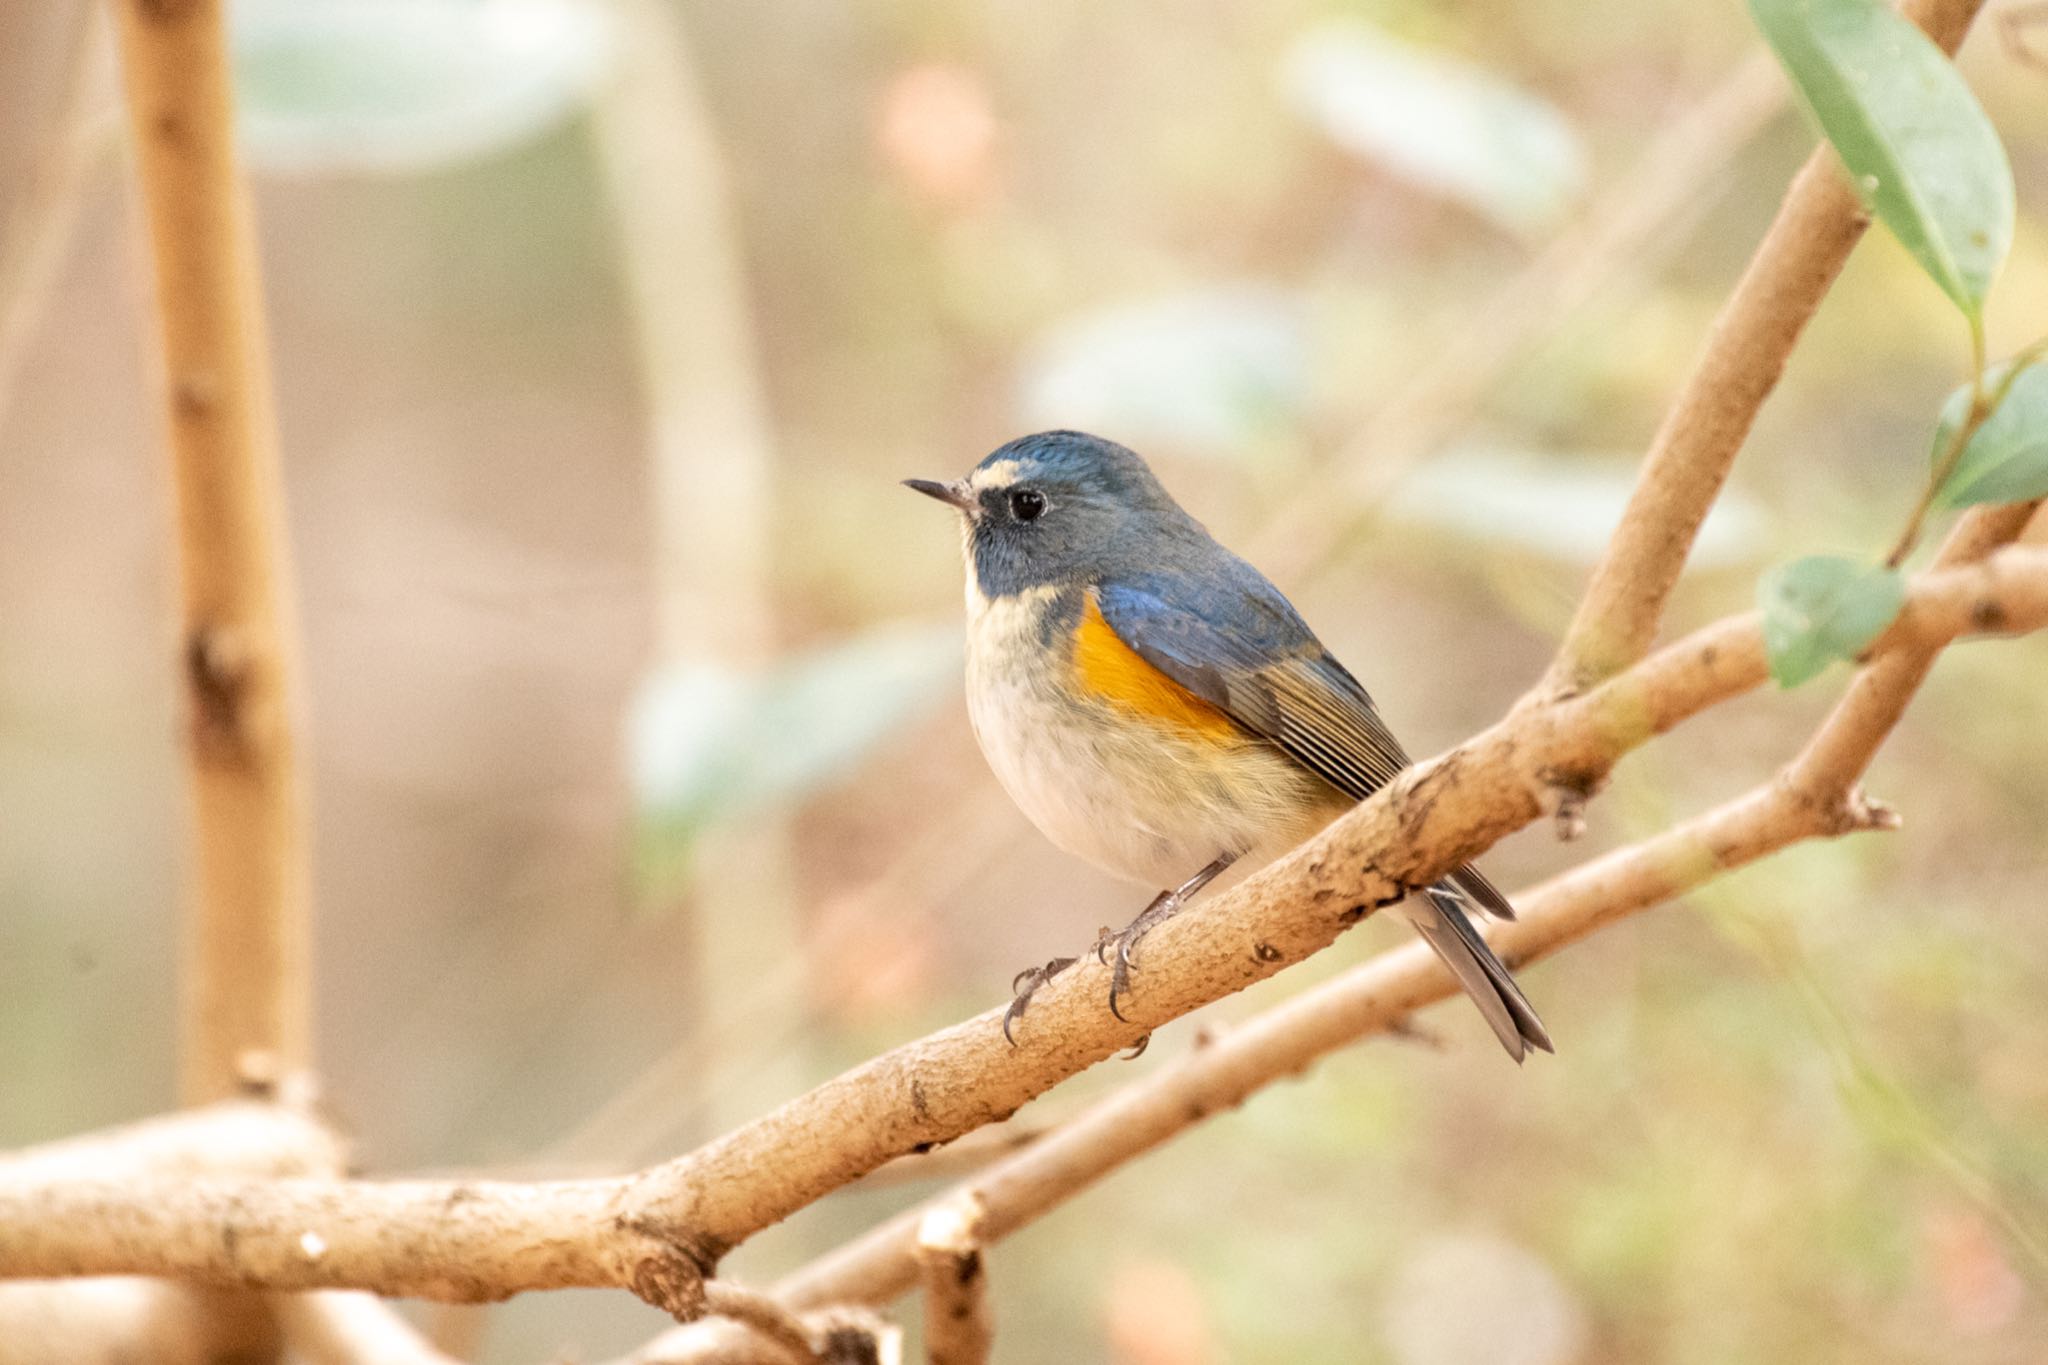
{"x":1027,"y":504}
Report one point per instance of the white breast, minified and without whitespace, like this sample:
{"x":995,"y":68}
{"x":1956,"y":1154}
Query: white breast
{"x":1137,"y":798}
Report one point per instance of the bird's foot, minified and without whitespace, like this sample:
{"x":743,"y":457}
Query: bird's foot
{"x":1164,"y":906}
{"x":1025,"y":984}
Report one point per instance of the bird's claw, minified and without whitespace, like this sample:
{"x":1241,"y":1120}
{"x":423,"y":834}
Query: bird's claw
{"x":1023,"y":986}
{"x":1162,"y":908}
{"x":1126,"y":940}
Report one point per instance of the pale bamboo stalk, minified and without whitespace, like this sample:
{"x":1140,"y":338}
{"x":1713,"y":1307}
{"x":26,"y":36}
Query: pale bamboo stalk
{"x":248,"y":987}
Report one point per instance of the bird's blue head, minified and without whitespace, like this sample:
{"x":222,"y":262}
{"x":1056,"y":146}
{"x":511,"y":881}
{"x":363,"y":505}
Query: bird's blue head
{"x":1061,"y":507}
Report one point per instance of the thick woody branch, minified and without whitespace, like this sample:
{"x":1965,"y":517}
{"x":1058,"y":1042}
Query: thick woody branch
{"x":127,"y":1319}
{"x":656,"y":1232}
{"x":463,"y":1241}
{"x":1377,"y":997}
{"x":1819,"y":223}
{"x":115,"y":1320}
{"x":248,"y":987}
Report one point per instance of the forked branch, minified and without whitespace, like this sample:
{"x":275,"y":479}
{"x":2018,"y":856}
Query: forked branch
{"x":657,"y":1232}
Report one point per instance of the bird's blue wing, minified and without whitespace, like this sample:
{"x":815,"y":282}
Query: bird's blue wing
{"x":1235,"y":642}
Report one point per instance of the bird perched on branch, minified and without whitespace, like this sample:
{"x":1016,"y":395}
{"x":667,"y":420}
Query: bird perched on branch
{"x":1155,"y":706}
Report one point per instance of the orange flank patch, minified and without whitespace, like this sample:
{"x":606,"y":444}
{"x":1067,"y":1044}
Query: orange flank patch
{"x":1106,"y":667}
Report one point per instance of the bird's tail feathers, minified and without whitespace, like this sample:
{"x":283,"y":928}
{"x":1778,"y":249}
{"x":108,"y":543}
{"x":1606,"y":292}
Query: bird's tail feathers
{"x":1439,"y":916}
{"x":1482,"y":893}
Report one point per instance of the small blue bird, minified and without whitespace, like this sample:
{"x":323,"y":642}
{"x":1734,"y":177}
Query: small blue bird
{"x":1156,"y":707}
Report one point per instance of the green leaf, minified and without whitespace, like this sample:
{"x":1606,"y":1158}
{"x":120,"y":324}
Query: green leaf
{"x":1822,"y":608}
{"x":393,"y":86}
{"x":1917,"y":145}
{"x":2007,"y":457}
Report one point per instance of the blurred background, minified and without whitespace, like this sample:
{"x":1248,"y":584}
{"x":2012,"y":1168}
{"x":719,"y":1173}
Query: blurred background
{"x":642,"y":790}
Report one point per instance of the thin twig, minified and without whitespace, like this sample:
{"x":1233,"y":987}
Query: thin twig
{"x":248,"y":993}
{"x":1983,"y":403}
{"x":1818,"y":225}
{"x":239,"y":1136}
{"x":844,"y":1336}
{"x":762,"y":1314}
{"x":2014,"y":23}
{"x":1842,"y":749}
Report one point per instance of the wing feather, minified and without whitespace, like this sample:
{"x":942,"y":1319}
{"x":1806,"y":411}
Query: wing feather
{"x":1244,"y":649}
{"x":1239,"y":645}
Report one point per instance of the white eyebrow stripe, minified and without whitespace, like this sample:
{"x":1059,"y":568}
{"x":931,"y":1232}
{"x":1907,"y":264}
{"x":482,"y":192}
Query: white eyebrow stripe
{"x":1001,"y":474}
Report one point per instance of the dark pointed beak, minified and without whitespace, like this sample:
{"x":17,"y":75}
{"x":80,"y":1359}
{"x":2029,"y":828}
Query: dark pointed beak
{"x":953,"y":493}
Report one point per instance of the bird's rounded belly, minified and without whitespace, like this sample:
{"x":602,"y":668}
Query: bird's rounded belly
{"x":1145,"y":798}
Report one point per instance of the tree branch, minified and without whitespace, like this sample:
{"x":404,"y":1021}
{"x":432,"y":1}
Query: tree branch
{"x":1819,"y":223}
{"x":119,"y":1321}
{"x":115,"y":1320}
{"x":249,"y":989}
{"x":957,"y":1326}
{"x":832,"y":1336}
{"x":1379,"y":996}
{"x":1877,"y":698}
{"x":657,"y":1231}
